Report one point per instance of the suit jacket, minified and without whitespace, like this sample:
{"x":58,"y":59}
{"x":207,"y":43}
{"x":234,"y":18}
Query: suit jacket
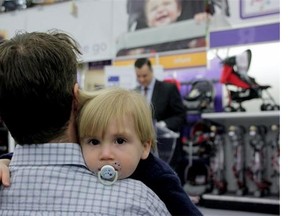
{"x":163,"y":180}
{"x":167,"y":105}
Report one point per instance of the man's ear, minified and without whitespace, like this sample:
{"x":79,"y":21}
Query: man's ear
{"x":76,"y":97}
{"x":147,"y":148}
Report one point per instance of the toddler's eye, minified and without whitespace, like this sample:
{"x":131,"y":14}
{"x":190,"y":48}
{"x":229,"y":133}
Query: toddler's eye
{"x":120,"y":141}
{"x":94,"y":141}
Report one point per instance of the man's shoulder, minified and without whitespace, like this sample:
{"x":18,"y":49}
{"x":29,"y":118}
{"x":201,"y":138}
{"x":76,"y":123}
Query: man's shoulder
{"x":165,"y":85}
{"x":79,"y":190}
{"x":90,"y":180}
{"x":134,"y":190}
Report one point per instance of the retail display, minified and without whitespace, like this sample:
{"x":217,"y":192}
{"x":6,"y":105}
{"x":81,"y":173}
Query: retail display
{"x":198,"y":148}
{"x":257,"y":167}
{"x":201,"y":96}
{"x":274,"y":144}
{"x":217,"y":159}
{"x":236,"y":138}
{"x":251,"y":162}
{"x":235,"y":74}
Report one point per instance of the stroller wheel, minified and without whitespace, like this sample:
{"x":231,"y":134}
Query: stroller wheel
{"x":267,"y":107}
{"x":276,"y":107}
{"x":229,"y":109}
{"x":241,"y":109}
{"x":263,"y":107}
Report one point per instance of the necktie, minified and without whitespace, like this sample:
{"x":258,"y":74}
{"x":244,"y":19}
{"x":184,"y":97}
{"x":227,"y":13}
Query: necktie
{"x":145,"y":91}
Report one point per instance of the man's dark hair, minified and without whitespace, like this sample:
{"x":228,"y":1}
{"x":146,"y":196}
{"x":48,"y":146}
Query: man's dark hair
{"x":38,"y":72}
{"x":139,"y":63}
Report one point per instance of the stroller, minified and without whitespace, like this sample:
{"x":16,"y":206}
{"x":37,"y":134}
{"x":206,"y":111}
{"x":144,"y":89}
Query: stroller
{"x":201,"y":96}
{"x":234,"y":73}
{"x":198,"y":147}
{"x":256,"y":170}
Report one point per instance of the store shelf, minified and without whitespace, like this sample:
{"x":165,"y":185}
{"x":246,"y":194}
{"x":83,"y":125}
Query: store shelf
{"x":225,"y":115}
{"x":245,"y":119}
{"x":267,"y":205}
{"x":243,"y":199}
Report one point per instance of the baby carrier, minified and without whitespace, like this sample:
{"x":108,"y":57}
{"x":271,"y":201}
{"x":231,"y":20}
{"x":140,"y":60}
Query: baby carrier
{"x":201,"y":96}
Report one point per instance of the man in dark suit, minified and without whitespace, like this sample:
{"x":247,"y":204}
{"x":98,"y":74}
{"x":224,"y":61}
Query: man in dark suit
{"x":167,"y":103}
{"x":168,"y":111}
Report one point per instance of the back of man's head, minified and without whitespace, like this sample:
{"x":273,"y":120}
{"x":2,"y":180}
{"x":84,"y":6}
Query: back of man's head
{"x":139,"y":63}
{"x":38,"y":72}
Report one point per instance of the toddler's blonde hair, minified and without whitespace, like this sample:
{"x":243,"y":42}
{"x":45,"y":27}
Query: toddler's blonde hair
{"x":98,"y":108}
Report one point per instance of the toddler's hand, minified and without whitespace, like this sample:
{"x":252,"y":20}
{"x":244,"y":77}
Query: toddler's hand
{"x":4,"y":172}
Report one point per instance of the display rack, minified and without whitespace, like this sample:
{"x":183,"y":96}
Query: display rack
{"x":241,"y":115}
{"x":248,"y":202}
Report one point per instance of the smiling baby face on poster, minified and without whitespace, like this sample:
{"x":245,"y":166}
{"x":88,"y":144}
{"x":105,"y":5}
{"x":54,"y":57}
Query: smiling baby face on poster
{"x":161,"y":12}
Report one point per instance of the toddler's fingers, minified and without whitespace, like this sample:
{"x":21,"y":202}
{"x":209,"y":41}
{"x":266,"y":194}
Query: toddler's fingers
{"x":5,"y":175}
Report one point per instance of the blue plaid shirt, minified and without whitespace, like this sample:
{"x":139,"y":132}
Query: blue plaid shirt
{"x":52,"y":179}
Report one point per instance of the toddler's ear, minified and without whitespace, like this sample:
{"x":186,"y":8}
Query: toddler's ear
{"x":147,"y":148}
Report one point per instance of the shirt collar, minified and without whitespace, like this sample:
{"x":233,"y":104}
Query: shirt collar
{"x":48,"y":154}
{"x":151,"y":85}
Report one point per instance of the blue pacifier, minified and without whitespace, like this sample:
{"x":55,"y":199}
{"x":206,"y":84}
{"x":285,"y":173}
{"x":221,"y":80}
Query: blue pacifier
{"x":108,"y":175}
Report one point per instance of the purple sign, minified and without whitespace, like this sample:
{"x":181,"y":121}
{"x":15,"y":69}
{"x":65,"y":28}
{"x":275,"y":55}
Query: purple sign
{"x":248,"y":35}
